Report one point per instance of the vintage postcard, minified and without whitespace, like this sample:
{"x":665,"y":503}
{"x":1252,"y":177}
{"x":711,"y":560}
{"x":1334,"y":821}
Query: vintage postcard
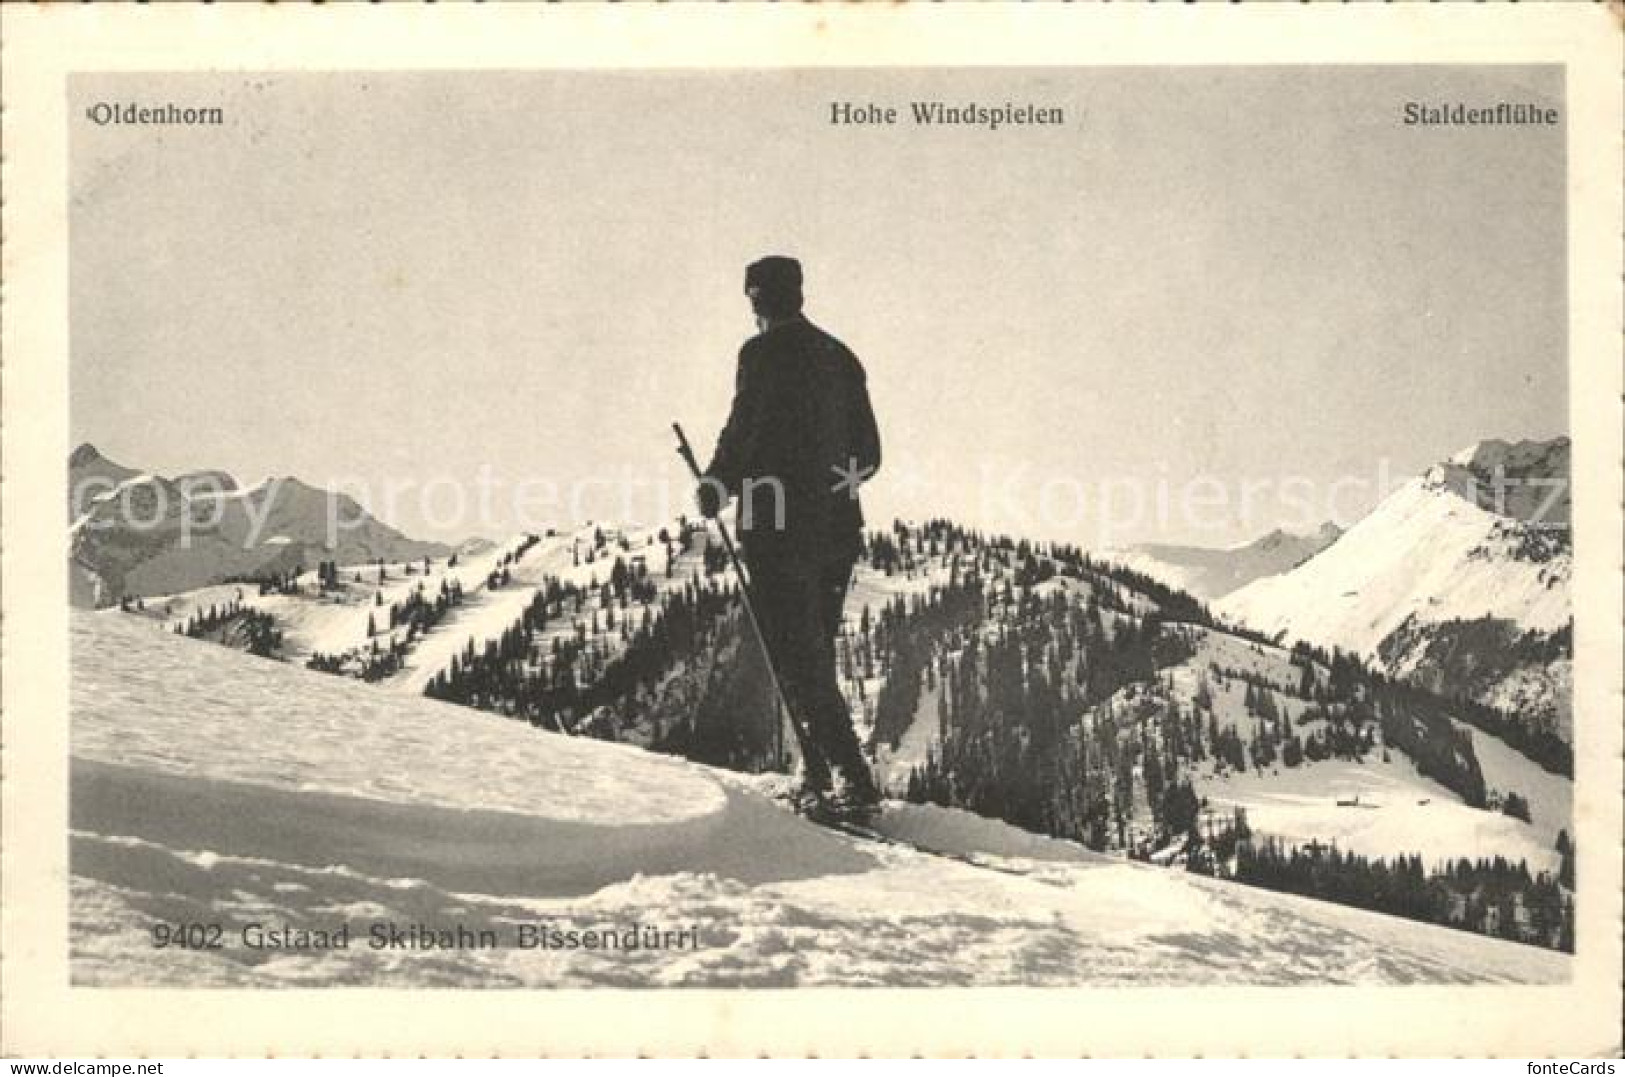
{"x":968,"y":531}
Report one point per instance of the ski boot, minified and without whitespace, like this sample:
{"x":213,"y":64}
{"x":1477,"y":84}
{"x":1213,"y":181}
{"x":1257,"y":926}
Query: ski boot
{"x":809,"y":789}
{"x":854,"y":798}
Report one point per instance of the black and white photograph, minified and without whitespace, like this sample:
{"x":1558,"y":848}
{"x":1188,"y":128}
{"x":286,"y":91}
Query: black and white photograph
{"x":931,"y":526}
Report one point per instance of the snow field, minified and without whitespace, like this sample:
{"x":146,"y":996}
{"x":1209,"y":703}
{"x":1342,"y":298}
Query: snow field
{"x":211,"y":786}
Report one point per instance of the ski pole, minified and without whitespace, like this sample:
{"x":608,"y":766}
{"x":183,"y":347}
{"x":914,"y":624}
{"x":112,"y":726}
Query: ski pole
{"x":802,"y":740}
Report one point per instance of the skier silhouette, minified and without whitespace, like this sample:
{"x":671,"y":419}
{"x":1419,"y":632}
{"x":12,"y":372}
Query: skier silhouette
{"x":800,"y":439}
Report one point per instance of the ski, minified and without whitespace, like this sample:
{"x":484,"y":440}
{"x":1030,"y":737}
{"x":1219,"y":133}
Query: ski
{"x":865,"y":830}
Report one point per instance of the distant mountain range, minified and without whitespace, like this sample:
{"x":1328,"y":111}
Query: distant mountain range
{"x":134,"y":533}
{"x":1210,"y":573}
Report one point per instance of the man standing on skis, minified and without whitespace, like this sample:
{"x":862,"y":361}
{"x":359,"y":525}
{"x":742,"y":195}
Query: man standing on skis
{"x":800,"y":439}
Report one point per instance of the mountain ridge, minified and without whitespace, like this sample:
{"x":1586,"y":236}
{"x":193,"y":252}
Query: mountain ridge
{"x":1479,"y":540}
{"x":138,"y":534}
{"x":1211,"y":573}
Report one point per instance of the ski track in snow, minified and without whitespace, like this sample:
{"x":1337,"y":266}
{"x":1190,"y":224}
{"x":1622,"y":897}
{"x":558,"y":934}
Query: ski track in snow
{"x":210,"y":787}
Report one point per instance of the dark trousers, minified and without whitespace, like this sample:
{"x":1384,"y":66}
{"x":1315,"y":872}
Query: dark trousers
{"x":798,"y":600}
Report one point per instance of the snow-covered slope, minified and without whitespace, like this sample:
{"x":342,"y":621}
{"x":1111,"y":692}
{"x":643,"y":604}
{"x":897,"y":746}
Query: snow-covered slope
{"x":1476,"y":548}
{"x":1212,"y":573}
{"x":210,"y":787}
{"x":1401,"y":811}
{"x":1381,"y":806}
{"x":1427,"y":550}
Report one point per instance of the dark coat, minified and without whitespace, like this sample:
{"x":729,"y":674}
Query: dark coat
{"x":801,"y":416}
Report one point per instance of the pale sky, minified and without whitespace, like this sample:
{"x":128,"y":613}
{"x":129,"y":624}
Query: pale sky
{"x":1205,"y":275}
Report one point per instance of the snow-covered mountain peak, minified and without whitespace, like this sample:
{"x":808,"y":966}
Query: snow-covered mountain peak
{"x":1464,"y":569}
{"x":1425,"y":550}
{"x":138,"y":533}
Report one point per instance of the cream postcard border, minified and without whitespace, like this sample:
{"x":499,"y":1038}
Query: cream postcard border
{"x":41,"y":1014}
